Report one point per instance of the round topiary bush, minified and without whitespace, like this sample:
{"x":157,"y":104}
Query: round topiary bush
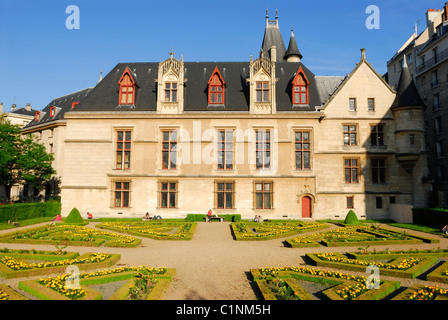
{"x":74,"y":217}
{"x":351,"y":218}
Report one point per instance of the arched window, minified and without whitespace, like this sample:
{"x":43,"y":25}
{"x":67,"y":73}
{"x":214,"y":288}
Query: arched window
{"x":127,"y":88}
{"x":216,"y":89}
{"x":300,"y":88}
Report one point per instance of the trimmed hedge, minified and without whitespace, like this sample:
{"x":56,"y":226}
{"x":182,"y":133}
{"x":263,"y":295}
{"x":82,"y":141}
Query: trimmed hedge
{"x":201,"y":217}
{"x":23,"y":211}
{"x":434,"y":217}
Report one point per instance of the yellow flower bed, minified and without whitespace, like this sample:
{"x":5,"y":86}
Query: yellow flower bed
{"x":428,"y":293}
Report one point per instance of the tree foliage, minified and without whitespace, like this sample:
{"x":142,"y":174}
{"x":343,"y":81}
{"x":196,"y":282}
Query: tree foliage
{"x":23,"y":160}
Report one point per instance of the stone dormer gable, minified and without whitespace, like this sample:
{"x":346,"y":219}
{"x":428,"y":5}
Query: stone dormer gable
{"x":262,"y":84}
{"x":170,"y":86}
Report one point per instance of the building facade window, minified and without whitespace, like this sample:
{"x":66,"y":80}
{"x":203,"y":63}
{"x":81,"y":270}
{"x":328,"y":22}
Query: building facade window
{"x":300,"y":88}
{"x":168,"y":194}
{"x":303,"y":150}
{"x":123,"y":152}
{"x":262,"y":91}
{"x":263,"y":149}
{"x":169,"y":149}
{"x":439,"y":149}
{"x":379,"y":202}
{"x":224,"y":195}
{"x":378,"y":170}
{"x":121,"y":194}
{"x":352,"y":104}
{"x":263,"y":195}
{"x":371,"y":104}
{"x":377,"y":135}
{"x":216,"y":89}
{"x":351,"y":170}
{"x":126,"y":89}
{"x":52,"y":111}
{"x":225,"y":149}
{"x":170,"y":91}
{"x":350,"y":135}
{"x":350,"y":201}
{"x":436,"y":100}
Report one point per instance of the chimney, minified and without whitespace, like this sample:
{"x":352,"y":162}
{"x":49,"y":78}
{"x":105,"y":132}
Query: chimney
{"x":273,"y":53}
{"x":363,"y":54}
{"x":28,"y":107}
{"x":1,"y":107}
{"x":13,"y":107}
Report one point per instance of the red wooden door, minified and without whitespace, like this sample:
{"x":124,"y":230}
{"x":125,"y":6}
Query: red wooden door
{"x":306,"y":207}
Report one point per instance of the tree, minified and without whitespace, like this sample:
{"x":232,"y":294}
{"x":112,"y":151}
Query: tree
{"x":22,"y":159}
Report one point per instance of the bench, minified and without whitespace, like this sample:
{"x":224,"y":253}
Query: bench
{"x":221,"y":219}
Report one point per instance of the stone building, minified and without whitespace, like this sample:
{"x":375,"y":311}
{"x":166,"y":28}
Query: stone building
{"x":259,"y":137}
{"x":427,"y":57}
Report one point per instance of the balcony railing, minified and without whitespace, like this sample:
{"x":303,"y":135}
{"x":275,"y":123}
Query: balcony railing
{"x":442,"y":56}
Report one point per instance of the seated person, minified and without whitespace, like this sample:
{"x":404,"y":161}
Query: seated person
{"x":146,"y":217}
{"x":89,"y":215}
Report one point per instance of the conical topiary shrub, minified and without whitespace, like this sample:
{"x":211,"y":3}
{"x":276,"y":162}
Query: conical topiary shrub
{"x":351,"y":218}
{"x":74,"y":217}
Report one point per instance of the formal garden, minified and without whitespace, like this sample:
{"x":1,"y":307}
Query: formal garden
{"x":328,"y":275}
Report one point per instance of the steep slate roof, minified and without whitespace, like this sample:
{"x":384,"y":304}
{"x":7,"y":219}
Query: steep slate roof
{"x":24,"y":112}
{"x":104,"y":97}
{"x":407,"y":94}
{"x":62,"y":105}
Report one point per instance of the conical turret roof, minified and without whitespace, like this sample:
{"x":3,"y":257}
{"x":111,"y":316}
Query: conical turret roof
{"x":407,"y":93}
{"x":293,"y":50}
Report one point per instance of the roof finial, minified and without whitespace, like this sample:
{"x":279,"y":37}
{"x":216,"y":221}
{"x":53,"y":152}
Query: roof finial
{"x":171,"y":53}
{"x":405,"y":63}
{"x":363,"y":54}
{"x":101,"y":77}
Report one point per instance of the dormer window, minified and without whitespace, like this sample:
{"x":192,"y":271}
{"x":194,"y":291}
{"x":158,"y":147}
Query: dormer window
{"x":300,"y":89}
{"x":127,"y":89}
{"x":216,"y":86}
{"x":171,"y":92}
{"x":74,"y":104}
{"x":262,"y":91}
{"x":37,"y":116}
{"x":52,"y":111}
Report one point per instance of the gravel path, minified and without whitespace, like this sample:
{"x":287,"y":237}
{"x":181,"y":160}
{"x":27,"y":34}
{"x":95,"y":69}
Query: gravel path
{"x":212,"y":265}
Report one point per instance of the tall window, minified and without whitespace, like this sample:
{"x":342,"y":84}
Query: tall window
{"x":168,"y":194}
{"x":263,"y":195}
{"x":123,"y":160}
{"x":378,"y":170}
{"x":169,"y":149}
{"x":216,"y":88}
{"x":350,"y":202}
{"x":263,"y":149}
{"x":225,"y":149}
{"x":351,"y":170}
{"x":376,"y":135}
{"x":300,"y":88}
{"x":121,"y":194}
{"x":127,"y":88}
{"x":352,"y":104}
{"x":303,"y":150}
{"x":371,"y":104}
{"x":171,"y":92}
{"x":350,"y":134}
{"x":224,"y":195}
{"x":262,"y":88}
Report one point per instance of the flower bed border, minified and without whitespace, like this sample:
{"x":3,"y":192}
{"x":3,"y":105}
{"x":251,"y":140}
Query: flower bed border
{"x":188,"y":236}
{"x":12,"y":294}
{"x":43,"y":293}
{"x":411,"y":273}
{"x":8,"y":273}
{"x":238,"y":235}
{"x":98,"y":241}
{"x":386,"y":286}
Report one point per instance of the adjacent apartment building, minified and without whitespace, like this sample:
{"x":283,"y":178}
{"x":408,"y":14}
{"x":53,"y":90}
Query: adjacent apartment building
{"x":258,"y":137}
{"x":427,"y":57}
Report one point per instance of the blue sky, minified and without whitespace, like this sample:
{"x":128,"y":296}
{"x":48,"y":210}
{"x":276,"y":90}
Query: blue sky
{"x":40,"y":59}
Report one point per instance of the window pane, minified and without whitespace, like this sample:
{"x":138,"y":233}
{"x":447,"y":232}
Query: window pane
{"x":127,"y":160}
{"x":303,"y":98}
{"x":355,"y":175}
{"x":173,"y":160}
{"x":259,"y":200}
{"x":306,"y":136}
{"x":172,"y":186}
{"x":258,"y":96}
{"x":219,"y":98}
{"x":298,"y":160}
{"x":164,"y":186}
{"x":298,"y":136}
{"x":117,"y":198}
{"x":174,"y":96}
{"x":306,"y":160}
{"x":125,"y":199}
{"x":164,"y":199}
{"x":258,"y":187}
{"x":220,"y":200}
{"x":174,"y":86}
{"x":167,"y":96}
{"x":267,"y":187}
{"x":220,"y":186}
{"x":229,"y":200}
{"x":128,"y":135}
{"x":267,"y":201}
{"x":165,"y":159}
{"x":117,"y":185}
{"x":120,"y":135}
{"x":229,"y":186}
{"x":265,"y":96}
{"x":174,"y":135}
{"x":347,"y":175}
{"x":172,"y":200}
